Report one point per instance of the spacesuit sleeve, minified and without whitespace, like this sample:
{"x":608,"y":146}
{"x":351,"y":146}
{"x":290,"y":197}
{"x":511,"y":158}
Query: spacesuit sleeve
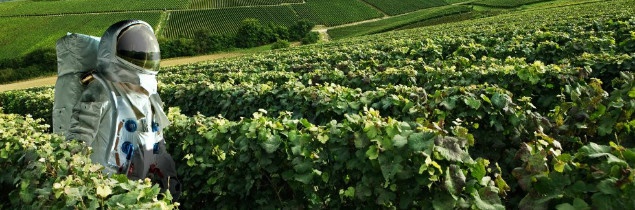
{"x":88,"y":113}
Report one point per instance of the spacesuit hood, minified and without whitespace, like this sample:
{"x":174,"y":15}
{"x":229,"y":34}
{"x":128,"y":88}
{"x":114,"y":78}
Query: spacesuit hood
{"x":129,"y":52}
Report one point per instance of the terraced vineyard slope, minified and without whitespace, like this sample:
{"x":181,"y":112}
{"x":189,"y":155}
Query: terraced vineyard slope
{"x":335,"y":12}
{"x":224,"y":21}
{"x":395,"y":7}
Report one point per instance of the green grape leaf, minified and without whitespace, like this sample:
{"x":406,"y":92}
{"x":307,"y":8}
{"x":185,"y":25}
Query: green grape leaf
{"x":454,"y":180}
{"x":304,"y":178}
{"x":399,"y":141}
{"x":372,"y":152}
{"x":594,"y":150}
{"x":272,"y":143}
{"x":451,"y":148}
{"x":104,"y":191}
{"x":349,"y":192}
{"x":472,"y":102}
{"x":421,"y":141}
{"x":608,"y":187}
{"x":487,"y":198}
{"x":631,"y":93}
{"x":478,"y":169}
{"x":499,"y":100}
{"x":443,"y":201}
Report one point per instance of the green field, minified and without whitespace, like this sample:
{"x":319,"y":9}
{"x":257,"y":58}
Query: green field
{"x":224,"y":21}
{"x":395,"y":7}
{"x":30,"y":33}
{"x":396,"y":22}
{"x":335,"y":12}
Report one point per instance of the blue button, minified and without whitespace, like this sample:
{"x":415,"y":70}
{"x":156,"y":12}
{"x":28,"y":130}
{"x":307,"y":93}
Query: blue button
{"x":155,"y":127}
{"x":127,"y":148}
{"x":155,"y":149}
{"x":131,"y":125}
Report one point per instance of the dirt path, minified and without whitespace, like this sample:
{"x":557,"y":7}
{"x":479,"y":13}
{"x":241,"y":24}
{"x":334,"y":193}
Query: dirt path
{"x":323,"y":31}
{"x":45,"y":81}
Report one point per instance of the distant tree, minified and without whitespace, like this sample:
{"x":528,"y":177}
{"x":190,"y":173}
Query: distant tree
{"x":268,"y":34}
{"x":208,"y":42}
{"x":299,"y":30}
{"x":177,"y":47}
{"x":250,"y":34}
{"x":279,"y":32}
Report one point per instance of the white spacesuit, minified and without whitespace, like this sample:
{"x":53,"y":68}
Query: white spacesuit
{"x":119,"y":113}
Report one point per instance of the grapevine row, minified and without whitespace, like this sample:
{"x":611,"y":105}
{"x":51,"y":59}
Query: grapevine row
{"x":224,"y":21}
{"x":394,"y":7}
{"x":30,"y":8}
{"x":335,"y":12}
{"x":207,"y":4}
{"x":550,"y":47}
{"x":49,"y":29}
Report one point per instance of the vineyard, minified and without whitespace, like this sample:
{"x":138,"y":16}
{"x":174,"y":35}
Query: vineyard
{"x":206,"y":4}
{"x":396,"y":7}
{"x":224,"y":21}
{"x":529,"y":110}
{"x":397,"y":21}
{"x":34,"y":8}
{"x":335,"y":12}
{"x":180,"y":19}
{"x":30,"y":8}
{"x":14,"y":44}
{"x":506,"y":3}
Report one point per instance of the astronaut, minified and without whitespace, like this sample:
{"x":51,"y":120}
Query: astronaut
{"x":119,"y":113}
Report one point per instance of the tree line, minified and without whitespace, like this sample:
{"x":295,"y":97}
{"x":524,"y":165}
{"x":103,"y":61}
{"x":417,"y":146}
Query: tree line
{"x":252,"y":33}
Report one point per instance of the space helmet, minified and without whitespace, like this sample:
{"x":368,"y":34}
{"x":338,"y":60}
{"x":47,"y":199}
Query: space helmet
{"x":129,"y":52}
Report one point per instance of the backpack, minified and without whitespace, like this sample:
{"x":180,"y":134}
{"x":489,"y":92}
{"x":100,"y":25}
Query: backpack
{"x":76,"y":60}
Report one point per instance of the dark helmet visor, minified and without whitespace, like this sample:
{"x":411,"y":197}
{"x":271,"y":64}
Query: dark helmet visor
{"x":138,"y":45}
